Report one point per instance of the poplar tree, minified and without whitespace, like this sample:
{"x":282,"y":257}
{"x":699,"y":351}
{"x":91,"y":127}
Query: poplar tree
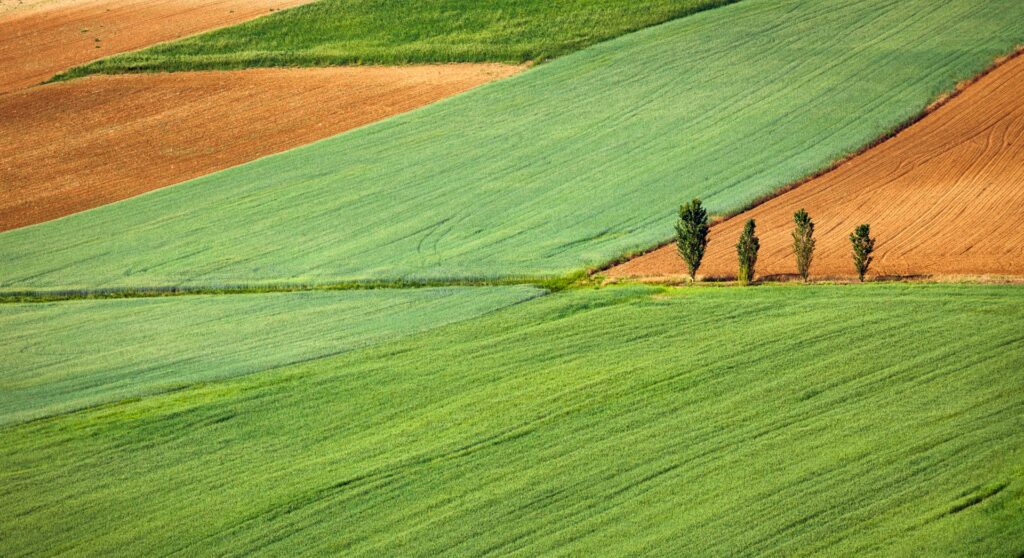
{"x":746,"y":251}
{"x":863,"y":247}
{"x":803,"y":243}
{"x":692,"y":235}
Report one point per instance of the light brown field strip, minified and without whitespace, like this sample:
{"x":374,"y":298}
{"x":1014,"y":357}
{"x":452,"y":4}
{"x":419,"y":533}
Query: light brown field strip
{"x":944,"y":197}
{"x":71,"y":146}
{"x":44,"y":37}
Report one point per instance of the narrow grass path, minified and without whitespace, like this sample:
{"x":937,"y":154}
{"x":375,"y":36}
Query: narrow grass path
{"x":553,"y":284}
{"x":824,"y":420}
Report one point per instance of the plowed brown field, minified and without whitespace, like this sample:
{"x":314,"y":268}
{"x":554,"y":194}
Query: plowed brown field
{"x":943,"y":197}
{"x":43,"y":37}
{"x":71,"y":146}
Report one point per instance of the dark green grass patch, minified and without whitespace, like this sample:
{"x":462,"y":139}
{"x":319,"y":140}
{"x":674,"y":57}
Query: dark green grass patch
{"x":568,"y":165}
{"x":342,"y":32}
{"x":824,"y":420}
{"x":64,"y":356}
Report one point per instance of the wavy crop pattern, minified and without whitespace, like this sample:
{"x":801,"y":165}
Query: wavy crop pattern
{"x":72,"y":355}
{"x":568,"y":165}
{"x":842,"y":421}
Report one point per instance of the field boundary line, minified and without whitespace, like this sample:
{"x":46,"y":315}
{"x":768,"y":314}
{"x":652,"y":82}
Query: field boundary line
{"x":579,"y":280}
{"x":86,"y":68}
{"x":942,"y":100}
{"x":549,"y":283}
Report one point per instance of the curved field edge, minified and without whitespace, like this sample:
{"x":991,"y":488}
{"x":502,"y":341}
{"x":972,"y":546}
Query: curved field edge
{"x":850,"y":420}
{"x":41,"y":38}
{"x":351,"y":32}
{"x":566,"y":166}
{"x":109,"y":138}
{"x":64,"y":357}
{"x":941,"y":196}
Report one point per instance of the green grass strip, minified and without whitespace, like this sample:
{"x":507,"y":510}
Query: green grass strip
{"x":346,"y":32}
{"x":550,"y":284}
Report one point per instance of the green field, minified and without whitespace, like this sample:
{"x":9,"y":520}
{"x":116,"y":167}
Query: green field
{"x":336,"y":32}
{"x":70,"y":355}
{"x":381,"y":344}
{"x":843,"y":420}
{"x":568,"y":165}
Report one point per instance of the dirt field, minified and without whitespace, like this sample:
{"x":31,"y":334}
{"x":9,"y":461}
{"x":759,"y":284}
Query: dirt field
{"x":44,"y":37}
{"x":70,"y":146}
{"x":944,"y":197}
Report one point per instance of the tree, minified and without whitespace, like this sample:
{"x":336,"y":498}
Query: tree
{"x":863,"y":246}
{"x":803,"y":242}
{"x":746,"y":250}
{"x":692,"y":235}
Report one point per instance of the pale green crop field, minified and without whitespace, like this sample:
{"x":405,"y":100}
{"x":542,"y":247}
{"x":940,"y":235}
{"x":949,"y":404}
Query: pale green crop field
{"x":63,"y":356}
{"x":875,"y":420}
{"x":566,"y":166}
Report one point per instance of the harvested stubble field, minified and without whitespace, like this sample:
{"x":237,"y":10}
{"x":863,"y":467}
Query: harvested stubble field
{"x":944,"y":197}
{"x":853,"y":420}
{"x":72,"y":146}
{"x":570,"y":164}
{"x":43,"y":37}
{"x":60,"y":357}
{"x":333,"y":32}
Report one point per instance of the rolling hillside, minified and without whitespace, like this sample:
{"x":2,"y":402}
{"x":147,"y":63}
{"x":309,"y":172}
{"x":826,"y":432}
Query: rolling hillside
{"x":65,"y":356}
{"x":42,"y":38}
{"x":384,"y":343}
{"x":860,"y":420}
{"x":111,"y":138}
{"x":569,"y":165}
{"x":345,"y":32}
{"x":944,"y":197}
{"x":108,"y":138}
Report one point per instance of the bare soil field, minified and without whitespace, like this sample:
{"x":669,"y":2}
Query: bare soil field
{"x":71,"y":146}
{"x":44,"y":37}
{"x":945,"y":197}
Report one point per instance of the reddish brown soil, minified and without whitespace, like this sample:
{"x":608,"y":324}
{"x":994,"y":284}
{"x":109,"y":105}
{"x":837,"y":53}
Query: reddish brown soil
{"x":944,"y":197}
{"x":43,"y":37}
{"x":71,"y":146}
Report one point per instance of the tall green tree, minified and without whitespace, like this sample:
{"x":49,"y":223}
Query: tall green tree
{"x":803,"y":243}
{"x":863,"y":247}
{"x":746,"y":250}
{"x":692,"y":235}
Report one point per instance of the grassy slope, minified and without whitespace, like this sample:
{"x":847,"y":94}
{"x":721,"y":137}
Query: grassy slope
{"x":333,"y":32}
{"x":568,"y":165}
{"x":64,"y":356}
{"x":856,"y":420}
